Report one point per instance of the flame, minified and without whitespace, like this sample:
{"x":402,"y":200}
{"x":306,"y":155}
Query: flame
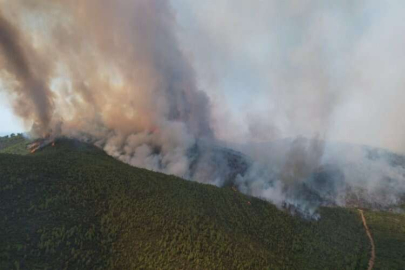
{"x":34,"y":147}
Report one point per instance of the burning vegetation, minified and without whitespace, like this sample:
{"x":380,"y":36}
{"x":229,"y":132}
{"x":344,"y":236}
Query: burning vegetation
{"x":139,"y":99}
{"x":93,"y":201}
{"x":39,"y":144}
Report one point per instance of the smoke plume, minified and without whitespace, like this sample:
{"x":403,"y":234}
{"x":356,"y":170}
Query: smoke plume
{"x":33,"y":98}
{"x":119,"y":78}
{"x":299,"y":88}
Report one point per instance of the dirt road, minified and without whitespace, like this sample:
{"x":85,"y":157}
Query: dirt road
{"x":372,"y":258}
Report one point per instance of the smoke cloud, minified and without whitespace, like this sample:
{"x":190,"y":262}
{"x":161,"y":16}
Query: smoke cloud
{"x":299,"y":88}
{"x":119,"y":78}
{"x":33,"y":97}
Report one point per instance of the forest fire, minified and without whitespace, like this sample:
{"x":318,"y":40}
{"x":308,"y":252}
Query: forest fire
{"x":38,"y":144}
{"x":139,"y":99}
{"x":34,"y":147}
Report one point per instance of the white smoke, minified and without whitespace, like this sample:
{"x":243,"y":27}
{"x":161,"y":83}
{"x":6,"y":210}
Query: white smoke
{"x":127,"y":76}
{"x":300,"y":68}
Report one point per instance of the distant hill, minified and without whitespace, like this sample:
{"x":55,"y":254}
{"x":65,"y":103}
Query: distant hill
{"x":14,"y":144}
{"x":339,"y":174}
{"x":71,"y":206}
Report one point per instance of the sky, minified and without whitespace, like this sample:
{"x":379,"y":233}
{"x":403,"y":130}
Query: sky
{"x":9,"y":123}
{"x":277,"y":69}
{"x":125,"y":75}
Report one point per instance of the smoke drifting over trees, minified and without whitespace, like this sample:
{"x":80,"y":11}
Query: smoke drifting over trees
{"x":127,"y":76}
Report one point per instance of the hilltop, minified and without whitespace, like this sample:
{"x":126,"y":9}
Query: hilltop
{"x":72,"y":206}
{"x":14,"y":144}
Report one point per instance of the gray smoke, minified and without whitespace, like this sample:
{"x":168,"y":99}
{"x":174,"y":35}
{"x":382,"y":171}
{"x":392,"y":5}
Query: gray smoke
{"x":314,"y":69}
{"x":119,"y":78}
{"x":33,"y":99}
{"x":127,"y":76}
{"x":300,"y":68}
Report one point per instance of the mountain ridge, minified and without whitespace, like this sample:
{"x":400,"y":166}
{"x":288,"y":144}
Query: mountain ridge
{"x":70,"y":205}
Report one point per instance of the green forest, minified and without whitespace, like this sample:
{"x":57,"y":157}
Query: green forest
{"x":14,"y":144}
{"x":71,"y":206}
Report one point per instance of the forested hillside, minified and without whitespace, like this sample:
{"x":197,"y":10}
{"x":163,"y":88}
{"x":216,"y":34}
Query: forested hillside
{"x":389,"y":235}
{"x":71,"y":206}
{"x":14,"y":144}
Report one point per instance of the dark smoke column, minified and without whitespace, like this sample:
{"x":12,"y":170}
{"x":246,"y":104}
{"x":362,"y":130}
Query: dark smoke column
{"x":34,"y":99}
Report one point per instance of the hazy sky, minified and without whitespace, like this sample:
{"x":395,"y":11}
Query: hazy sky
{"x":8,"y":122}
{"x":277,"y":69}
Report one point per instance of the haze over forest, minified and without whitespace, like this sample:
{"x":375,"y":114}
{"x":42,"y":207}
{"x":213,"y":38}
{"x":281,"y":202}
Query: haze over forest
{"x":163,"y":84}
